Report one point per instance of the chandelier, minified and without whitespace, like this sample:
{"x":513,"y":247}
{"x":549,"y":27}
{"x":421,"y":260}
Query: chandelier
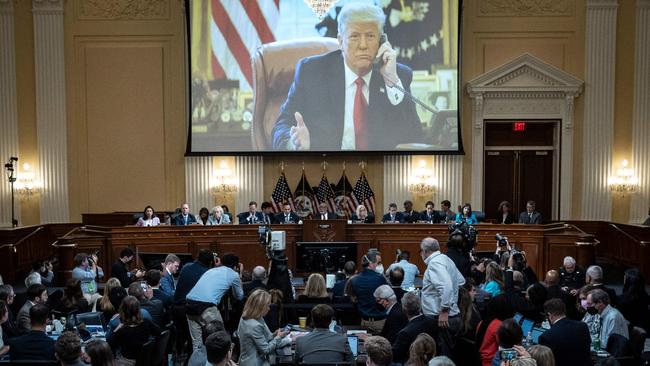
{"x":223,"y":181}
{"x":27,"y":186}
{"x":422,"y":181}
{"x":624,"y":182}
{"x":320,"y":7}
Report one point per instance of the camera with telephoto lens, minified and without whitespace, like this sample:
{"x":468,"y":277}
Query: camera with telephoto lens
{"x":503,"y":241}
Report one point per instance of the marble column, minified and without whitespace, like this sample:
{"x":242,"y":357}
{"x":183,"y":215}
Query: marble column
{"x":51,"y":119}
{"x":198,"y":172}
{"x":8,"y":106}
{"x":397,"y":170}
{"x":641,"y":113}
{"x":249,"y":171}
{"x":600,"y":66}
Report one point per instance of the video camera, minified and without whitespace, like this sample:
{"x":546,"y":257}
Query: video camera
{"x":467,"y":231}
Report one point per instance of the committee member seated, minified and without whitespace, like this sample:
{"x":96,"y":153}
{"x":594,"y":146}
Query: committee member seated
{"x":323,"y":213}
{"x":218,"y":217}
{"x":267,"y":213}
{"x":429,"y":215}
{"x":568,"y":339}
{"x":466,"y":215}
{"x":504,"y":213}
{"x":287,"y":216}
{"x":184,"y":217}
{"x":392,"y":217}
{"x":35,"y":344}
{"x":344,"y":101}
{"x":446,"y":214}
{"x":410,"y":215}
{"x":321,"y":345}
{"x":148,"y":218}
{"x":251,"y":216}
{"x":530,"y":216}
{"x":362,"y":216}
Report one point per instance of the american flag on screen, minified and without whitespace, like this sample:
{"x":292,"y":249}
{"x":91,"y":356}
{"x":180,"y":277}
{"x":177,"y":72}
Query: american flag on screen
{"x":281,"y":194}
{"x":237,"y":28}
{"x":324,"y":193}
{"x":362,"y":194}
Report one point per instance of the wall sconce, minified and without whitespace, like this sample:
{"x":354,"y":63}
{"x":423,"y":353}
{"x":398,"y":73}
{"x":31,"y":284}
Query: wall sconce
{"x":27,"y":186}
{"x":223,"y":181}
{"x":422,"y":181}
{"x":624,"y":182}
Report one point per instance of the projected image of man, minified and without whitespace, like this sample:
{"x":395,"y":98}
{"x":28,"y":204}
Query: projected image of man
{"x":345,"y":100}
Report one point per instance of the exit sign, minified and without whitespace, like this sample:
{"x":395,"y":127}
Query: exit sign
{"x":519,"y":126}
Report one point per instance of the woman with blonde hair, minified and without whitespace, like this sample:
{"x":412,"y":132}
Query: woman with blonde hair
{"x":493,"y":280}
{"x":542,"y":354}
{"x":315,"y":290}
{"x":362,"y":216}
{"x":218,"y":217}
{"x":422,"y":350}
{"x":256,"y":341}
{"x":105,"y":305}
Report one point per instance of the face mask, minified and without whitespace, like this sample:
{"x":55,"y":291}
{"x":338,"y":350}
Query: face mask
{"x":379,"y":269}
{"x":592,"y":310}
{"x":583,"y":303}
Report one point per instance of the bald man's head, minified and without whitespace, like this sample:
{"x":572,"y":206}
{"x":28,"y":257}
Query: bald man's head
{"x":552,"y":278}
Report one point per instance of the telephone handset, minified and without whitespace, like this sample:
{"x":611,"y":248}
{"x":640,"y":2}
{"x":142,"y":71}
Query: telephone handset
{"x":383,"y":39}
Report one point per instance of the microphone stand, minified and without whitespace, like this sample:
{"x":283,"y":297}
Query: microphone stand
{"x":12,"y":179}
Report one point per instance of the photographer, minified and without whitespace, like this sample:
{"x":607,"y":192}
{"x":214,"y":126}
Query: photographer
{"x":86,"y":270}
{"x":41,"y":273}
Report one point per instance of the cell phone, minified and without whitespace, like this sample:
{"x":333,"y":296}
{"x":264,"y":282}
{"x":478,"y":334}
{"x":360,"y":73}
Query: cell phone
{"x":508,"y":354}
{"x":144,"y":286}
{"x":382,"y":39}
{"x":353,"y":341}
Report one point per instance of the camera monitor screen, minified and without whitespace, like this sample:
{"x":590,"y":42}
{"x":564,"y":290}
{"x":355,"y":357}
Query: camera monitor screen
{"x":273,"y":76}
{"x":324,"y":257}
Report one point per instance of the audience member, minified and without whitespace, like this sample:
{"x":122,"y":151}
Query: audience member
{"x":155,"y":308}
{"x":170,"y":267}
{"x":536,"y":296}
{"x":493,"y":280}
{"x":315,"y":290}
{"x":466,"y":215}
{"x":259,"y":275}
{"x":613,"y":326}
{"x":251,"y":216}
{"x":349,"y":269}
{"x":184,"y":217}
{"x":410,"y":215}
{"x":486,"y":333}
{"x":410,"y":270}
{"x":395,"y":317}
{"x":422,"y":350}
{"x":73,"y":300}
{"x":218,"y":217}
{"x":362,"y":289}
{"x":417,"y":323}
{"x":67,"y":349}
{"x":9,"y":327}
{"x":132,"y":332}
{"x":4,"y":316}
{"x":592,"y":320}
{"x":148,"y":218}
{"x":86,"y":271}
{"x":392,"y":217}
{"x":595,"y":277}
{"x":256,"y":341}
{"x":395,"y":279}
{"x":457,"y":253}
{"x":105,"y":305}
{"x":287,"y":216}
{"x":509,"y":335}
{"x":41,"y":273}
{"x":633,"y":303}
{"x":321,"y":345}
{"x":205,"y":296}
{"x":99,"y":353}
{"x":429,"y":215}
{"x":116,"y":296}
{"x":378,"y":351}
{"x":120,"y":268}
{"x":466,"y":350}
{"x":504,"y":213}
{"x":554,"y":291}
{"x":362,"y":216}
{"x":568,"y":339}
{"x":324,"y":214}
{"x":441,"y":361}
{"x":204,"y":215}
{"x":517,"y":262}
{"x":152,"y":278}
{"x":36,"y":294}
{"x":530,"y":216}
{"x":572,"y":277}
{"x":542,"y":355}
{"x":446,"y":215}
{"x":199,"y":356}
{"x":34,"y":345}
{"x":440,"y":287}
{"x":219,"y":349}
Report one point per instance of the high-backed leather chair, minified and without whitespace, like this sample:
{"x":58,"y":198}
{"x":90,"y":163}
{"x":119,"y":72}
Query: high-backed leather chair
{"x":274,"y":65}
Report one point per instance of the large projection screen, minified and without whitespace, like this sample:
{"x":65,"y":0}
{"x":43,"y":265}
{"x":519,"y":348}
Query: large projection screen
{"x":237,"y":107}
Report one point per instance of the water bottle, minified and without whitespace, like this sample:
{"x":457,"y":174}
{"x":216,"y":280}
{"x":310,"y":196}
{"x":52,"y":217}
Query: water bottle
{"x":529,"y":339}
{"x":595,"y":343}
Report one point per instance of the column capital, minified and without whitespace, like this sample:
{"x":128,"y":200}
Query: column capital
{"x":602,"y":4}
{"x":47,"y":6}
{"x":6,"y":6}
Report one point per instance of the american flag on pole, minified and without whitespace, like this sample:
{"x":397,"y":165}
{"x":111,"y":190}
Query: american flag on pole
{"x":362,"y":194}
{"x":237,"y":28}
{"x":281,"y":194}
{"x":324,"y":193}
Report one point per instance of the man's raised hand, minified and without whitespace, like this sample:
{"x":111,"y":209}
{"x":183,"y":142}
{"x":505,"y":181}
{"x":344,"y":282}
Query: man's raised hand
{"x":299,"y":134}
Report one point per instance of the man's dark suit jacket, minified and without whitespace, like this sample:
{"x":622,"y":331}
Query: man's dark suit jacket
{"x":395,"y":322}
{"x":248,"y":287}
{"x":406,"y":336}
{"x":434,"y":218}
{"x":322,"y":346}
{"x":157,"y":311}
{"x":510,"y":218}
{"x":244,"y":216}
{"x":398,"y":218}
{"x":330,"y":216}
{"x":34,"y":345}
{"x":293,"y":218}
{"x":570,"y":341}
{"x":525,"y":219}
{"x":180,"y":221}
{"x":163,"y":297}
{"x":411,"y":217}
{"x":119,"y":271}
{"x":318,"y":93}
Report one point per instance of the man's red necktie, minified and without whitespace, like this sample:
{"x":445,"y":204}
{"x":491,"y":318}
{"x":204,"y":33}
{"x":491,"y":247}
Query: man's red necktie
{"x":360,"y":123}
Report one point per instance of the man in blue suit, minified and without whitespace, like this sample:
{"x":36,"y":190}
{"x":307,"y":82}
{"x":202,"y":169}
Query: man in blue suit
{"x":347,"y":100}
{"x":185,"y":217}
{"x":251,"y":216}
{"x":170,"y":267}
{"x":393,"y":217}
